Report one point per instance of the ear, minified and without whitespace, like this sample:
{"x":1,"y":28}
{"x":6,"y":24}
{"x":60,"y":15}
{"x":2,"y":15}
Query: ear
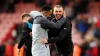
{"x":50,"y":10}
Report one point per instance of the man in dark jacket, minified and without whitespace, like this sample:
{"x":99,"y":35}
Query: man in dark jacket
{"x":27,"y":40}
{"x":62,"y":37}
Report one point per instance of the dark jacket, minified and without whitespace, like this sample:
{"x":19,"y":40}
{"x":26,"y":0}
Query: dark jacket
{"x":62,"y":37}
{"x":27,"y":40}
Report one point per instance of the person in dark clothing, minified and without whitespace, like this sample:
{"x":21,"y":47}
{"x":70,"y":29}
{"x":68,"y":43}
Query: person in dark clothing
{"x":28,"y":40}
{"x":61,"y":37}
{"x":2,"y":49}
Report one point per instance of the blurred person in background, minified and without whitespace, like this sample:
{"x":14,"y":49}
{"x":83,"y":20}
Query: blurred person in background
{"x":11,"y":6}
{"x":2,"y":49}
{"x":79,"y":44}
{"x":97,"y":30}
{"x":39,"y":3}
{"x":80,"y":6}
{"x":77,"y":41}
{"x":28,"y":40}
{"x":7,"y":6}
{"x":82,"y":24}
{"x":3,"y":5}
{"x":9,"y":47}
{"x":92,"y":47}
{"x":9,"y":42}
{"x":62,"y":37}
{"x":48,"y":2}
{"x":69,"y":10}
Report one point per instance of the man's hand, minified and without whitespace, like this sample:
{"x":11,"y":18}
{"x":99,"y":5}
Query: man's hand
{"x":44,"y":40}
{"x":18,"y":51}
{"x":64,"y":14}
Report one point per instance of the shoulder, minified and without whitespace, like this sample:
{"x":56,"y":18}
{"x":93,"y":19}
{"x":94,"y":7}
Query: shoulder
{"x":67,"y":22}
{"x":25,"y":24}
{"x":39,"y":19}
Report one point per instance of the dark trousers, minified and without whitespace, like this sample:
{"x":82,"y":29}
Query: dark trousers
{"x":66,"y":54}
{"x":27,"y":53}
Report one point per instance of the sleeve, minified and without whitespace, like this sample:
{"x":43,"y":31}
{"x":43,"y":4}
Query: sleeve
{"x":46,"y":24}
{"x":62,"y":34}
{"x":31,"y":20}
{"x":25,"y":34}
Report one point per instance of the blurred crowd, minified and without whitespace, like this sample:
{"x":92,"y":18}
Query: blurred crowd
{"x":85,"y":18}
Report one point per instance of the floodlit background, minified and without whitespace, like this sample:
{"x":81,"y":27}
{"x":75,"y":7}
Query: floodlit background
{"x":84,"y":15}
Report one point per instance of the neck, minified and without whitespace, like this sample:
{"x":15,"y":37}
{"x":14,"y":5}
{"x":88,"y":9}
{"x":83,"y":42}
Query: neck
{"x":57,"y":18}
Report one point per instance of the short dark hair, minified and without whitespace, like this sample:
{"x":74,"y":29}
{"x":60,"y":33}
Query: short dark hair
{"x":46,"y":8}
{"x":25,"y":15}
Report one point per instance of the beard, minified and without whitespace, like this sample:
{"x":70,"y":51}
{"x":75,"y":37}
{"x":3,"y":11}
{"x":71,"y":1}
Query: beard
{"x":58,"y":16}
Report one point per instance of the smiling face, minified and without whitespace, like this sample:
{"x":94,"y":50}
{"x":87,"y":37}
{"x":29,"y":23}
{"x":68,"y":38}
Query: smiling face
{"x":58,"y":12}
